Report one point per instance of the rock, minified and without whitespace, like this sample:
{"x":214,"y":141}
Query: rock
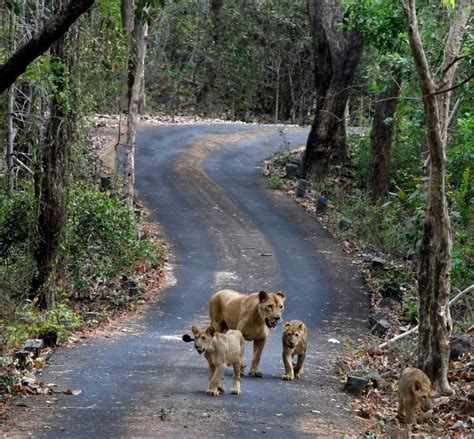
{"x":378,"y":262}
{"x":366,"y":257}
{"x":356,"y":385}
{"x":296,"y":161}
{"x":90,"y":316}
{"x":375,"y":317}
{"x":22,"y":357}
{"x":381,"y":327}
{"x":301,"y":188}
{"x":345,"y":224}
{"x":459,"y":345}
{"x":291,"y":170}
{"x":34,"y":345}
{"x":321,"y":205}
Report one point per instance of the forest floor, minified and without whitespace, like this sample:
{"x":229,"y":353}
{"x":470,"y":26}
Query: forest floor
{"x":377,"y":402}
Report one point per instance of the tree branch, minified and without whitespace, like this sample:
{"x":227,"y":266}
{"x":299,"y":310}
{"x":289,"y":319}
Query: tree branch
{"x":39,"y":43}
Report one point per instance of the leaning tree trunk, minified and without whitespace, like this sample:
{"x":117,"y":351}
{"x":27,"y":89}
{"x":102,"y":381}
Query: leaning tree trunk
{"x":435,"y":250}
{"x":381,"y":140}
{"x":49,"y":185}
{"x":335,"y":62}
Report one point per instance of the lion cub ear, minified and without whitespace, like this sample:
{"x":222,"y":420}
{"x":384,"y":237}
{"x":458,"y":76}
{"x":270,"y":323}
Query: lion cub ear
{"x":287,"y":325}
{"x":434,"y":387}
{"x":195,"y":330}
{"x":211,"y":331}
{"x":300,"y":326}
{"x":416,"y":385}
{"x":262,"y":296}
{"x":282,"y":295}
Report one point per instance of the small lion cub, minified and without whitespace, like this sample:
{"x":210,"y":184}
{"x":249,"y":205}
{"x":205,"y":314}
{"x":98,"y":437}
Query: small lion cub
{"x":415,"y":392}
{"x":220,"y":350}
{"x":295,"y":341}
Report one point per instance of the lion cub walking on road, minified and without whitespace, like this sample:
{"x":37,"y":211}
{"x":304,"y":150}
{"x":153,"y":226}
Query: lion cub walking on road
{"x":220,"y":350}
{"x":415,"y":392}
{"x":295,"y":341}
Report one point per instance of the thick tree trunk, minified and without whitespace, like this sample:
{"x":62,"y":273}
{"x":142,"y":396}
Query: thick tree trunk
{"x":50,"y":186}
{"x":435,"y":251}
{"x":336,"y":60}
{"x":53,"y":29}
{"x":381,"y":140}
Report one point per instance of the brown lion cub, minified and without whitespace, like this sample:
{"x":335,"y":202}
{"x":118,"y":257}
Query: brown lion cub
{"x":220,"y":350}
{"x":295,"y":341}
{"x":415,"y":392}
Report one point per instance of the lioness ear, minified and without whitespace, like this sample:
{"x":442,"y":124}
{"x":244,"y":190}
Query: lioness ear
{"x":195,"y":330}
{"x":416,"y":385}
{"x":281,"y":294}
{"x":300,"y":326}
{"x":211,"y":331}
{"x":263,"y":295}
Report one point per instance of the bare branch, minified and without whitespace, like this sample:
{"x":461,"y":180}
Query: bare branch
{"x":53,"y":29}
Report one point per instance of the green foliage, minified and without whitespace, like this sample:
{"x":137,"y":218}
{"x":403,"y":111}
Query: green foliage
{"x":276,"y":182}
{"x":100,"y":236}
{"x":410,"y":310}
{"x":31,"y":323}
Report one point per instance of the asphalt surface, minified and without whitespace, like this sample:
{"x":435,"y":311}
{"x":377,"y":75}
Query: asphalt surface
{"x":227,"y":229}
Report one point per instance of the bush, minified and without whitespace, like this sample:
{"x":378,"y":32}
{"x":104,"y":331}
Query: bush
{"x":100,"y":237}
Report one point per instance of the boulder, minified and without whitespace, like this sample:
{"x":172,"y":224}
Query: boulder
{"x":459,"y":345}
{"x":381,"y":327}
{"x":321,"y":205}
{"x":33,"y":345}
{"x":378,"y":262}
{"x":345,"y":224}
{"x":355,"y":384}
{"x":301,"y":188}
{"x":291,"y":169}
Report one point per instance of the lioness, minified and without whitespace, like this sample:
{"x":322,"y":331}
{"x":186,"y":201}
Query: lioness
{"x":295,"y":341}
{"x":220,"y":350}
{"x":415,"y":391}
{"x":254,"y":315}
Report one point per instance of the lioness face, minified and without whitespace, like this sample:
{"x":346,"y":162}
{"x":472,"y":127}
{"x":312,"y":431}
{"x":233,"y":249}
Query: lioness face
{"x":292,"y":334}
{"x":203,"y":338}
{"x":424,"y":393}
{"x":271,"y":307}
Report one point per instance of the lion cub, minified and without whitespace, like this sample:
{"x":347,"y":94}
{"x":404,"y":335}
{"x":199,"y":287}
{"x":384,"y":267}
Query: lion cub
{"x":415,"y":391}
{"x":220,"y":350}
{"x":295,"y":341}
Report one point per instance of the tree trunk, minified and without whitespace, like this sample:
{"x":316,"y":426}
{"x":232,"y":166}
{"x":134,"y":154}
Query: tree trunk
{"x":53,"y":29}
{"x":381,"y":140}
{"x":335,"y":62}
{"x":140,"y":46}
{"x":49,"y":185}
{"x":434,"y":263}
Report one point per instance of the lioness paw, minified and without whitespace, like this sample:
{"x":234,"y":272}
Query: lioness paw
{"x":256,"y":374}
{"x":235,"y":392}
{"x":213,"y":392}
{"x":288,"y":377}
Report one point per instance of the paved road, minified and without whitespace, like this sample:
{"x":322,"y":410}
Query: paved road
{"x":226,"y":229}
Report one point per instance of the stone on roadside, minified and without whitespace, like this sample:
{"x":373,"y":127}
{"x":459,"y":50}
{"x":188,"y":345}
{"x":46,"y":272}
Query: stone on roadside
{"x":356,"y":385}
{"x":345,"y":224}
{"x":386,"y":302}
{"x":381,"y":327}
{"x":90,"y":316}
{"x":459,"y":345}
{"x":291,"y":170}
{"x":321,"y":205}
{"x":378,"y":262}
{"x":33,"y":345}
{"x":301,"y":188}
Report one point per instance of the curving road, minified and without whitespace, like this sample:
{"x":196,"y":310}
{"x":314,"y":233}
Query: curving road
{"x":226,"y":229}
